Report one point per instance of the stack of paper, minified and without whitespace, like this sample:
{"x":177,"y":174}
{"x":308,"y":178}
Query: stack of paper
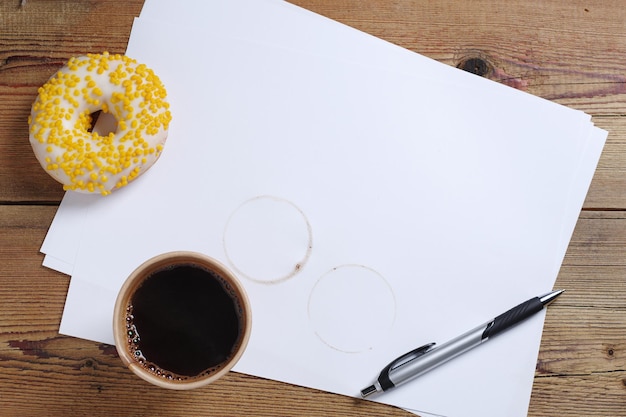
{"x":372,"y":200}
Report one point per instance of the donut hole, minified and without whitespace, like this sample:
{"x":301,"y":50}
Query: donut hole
{"x":103,"y":123}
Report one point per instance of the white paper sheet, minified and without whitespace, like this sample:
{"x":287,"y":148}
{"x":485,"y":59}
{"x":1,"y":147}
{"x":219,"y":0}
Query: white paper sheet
{"x":322,"y":133}
{"x":426,"y":218}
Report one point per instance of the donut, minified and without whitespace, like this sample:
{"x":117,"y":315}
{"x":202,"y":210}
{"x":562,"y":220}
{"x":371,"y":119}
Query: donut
{"x":61,"y":122}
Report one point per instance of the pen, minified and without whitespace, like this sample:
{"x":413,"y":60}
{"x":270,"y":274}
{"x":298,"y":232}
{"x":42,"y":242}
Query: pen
{"x":425,"y":358}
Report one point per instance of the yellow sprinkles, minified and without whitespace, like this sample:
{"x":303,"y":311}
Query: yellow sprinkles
{"x":61,"y":122}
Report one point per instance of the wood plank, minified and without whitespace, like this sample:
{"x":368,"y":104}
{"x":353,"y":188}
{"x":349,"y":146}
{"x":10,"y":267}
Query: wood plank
{"x":599,"y":240}
{"x":581,"y":369}
{"x":65,"y":377}
{"x":582,"y":341}
{"x":588,"y":396}
{"x":608,"y":188}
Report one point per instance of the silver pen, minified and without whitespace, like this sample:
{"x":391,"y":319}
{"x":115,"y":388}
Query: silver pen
{"x":425,"y":358}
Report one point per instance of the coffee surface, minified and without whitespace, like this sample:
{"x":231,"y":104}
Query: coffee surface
{"x":183,"y":320}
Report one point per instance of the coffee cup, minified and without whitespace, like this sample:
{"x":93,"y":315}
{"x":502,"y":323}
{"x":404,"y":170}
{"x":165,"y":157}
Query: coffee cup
{"x":181,"y":320}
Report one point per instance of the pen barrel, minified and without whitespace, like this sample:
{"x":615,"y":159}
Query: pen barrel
{"x":513,"y":316}
{"x":437,"y":356}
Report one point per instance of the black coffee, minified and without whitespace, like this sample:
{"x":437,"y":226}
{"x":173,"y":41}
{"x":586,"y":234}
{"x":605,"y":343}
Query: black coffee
{"x":183,"y":322}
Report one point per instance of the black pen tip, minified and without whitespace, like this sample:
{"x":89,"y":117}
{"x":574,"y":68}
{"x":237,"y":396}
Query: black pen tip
{"x":368,"y":391}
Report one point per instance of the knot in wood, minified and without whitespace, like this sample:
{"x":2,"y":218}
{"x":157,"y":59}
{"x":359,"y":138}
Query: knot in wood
{"x":476,"y":66}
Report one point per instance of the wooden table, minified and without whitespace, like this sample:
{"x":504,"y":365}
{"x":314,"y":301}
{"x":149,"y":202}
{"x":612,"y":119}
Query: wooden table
{"x":572,"y":52}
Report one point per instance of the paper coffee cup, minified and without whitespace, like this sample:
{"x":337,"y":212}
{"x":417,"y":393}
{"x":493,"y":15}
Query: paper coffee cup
{"x":181,"y":320}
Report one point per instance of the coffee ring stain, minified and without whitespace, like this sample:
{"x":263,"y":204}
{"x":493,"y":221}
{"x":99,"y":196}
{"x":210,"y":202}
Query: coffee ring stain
{"x":298,"y":266}
{"x":370,"y":333}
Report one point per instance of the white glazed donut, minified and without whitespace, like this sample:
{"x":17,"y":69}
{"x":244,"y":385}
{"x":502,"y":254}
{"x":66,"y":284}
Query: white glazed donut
{"x":61,"y":122}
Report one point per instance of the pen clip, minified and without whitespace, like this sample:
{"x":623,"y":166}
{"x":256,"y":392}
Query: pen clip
{"x":408,"y":357}
{"x":383,"y":378}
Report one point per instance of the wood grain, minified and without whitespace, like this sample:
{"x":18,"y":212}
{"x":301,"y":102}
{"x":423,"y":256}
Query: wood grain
{"x":581,"y":370}
{"x":573,"y":53}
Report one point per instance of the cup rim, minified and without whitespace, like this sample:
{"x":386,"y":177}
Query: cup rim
{"x":135,"y":279}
